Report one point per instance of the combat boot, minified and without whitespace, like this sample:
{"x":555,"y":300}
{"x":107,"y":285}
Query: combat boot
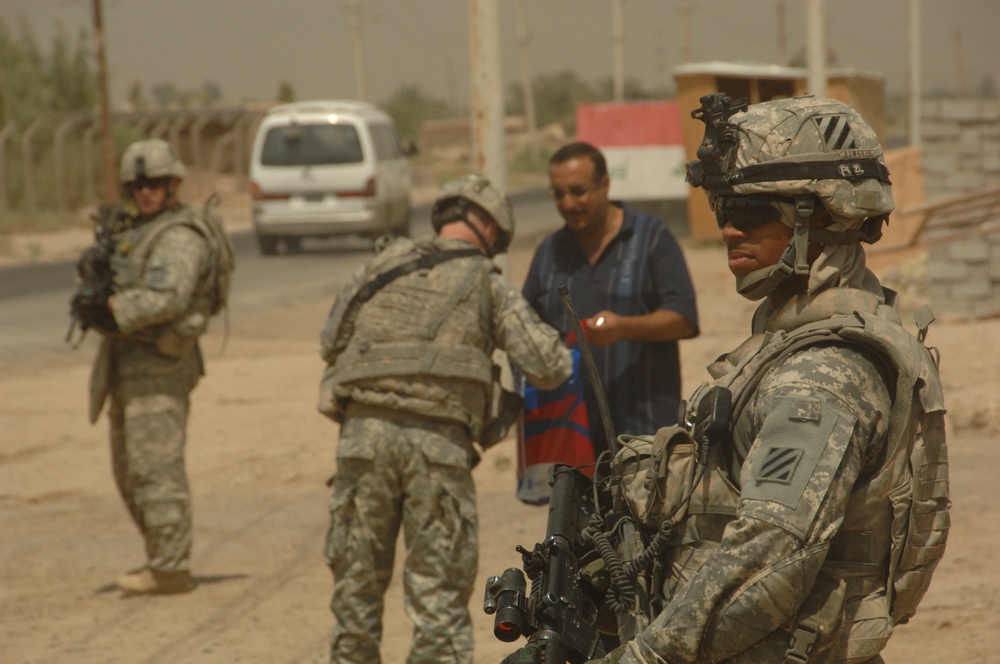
{"x":147,"y":581}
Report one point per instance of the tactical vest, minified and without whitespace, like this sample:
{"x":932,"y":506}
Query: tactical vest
{"x":422,"y":343}
{"x":132,"y":251}
{"x":896,"y":521}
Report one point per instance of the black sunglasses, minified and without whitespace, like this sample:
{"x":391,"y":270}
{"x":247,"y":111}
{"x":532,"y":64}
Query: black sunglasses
{"x":149,"y":183}
{"x":746,"y":212}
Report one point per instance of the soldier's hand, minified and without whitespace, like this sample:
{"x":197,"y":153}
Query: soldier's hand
{"x":92,"y":262}
{"x":91,"y":313}
{"x":525,"y":655}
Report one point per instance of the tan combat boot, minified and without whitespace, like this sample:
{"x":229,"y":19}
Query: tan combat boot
{"x":146,"y":581}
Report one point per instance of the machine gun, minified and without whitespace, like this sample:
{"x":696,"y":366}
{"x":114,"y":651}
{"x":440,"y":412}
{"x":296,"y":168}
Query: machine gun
{"x":559,"y":616}
{"x":89,"y":305}
{"x":578,"y":579}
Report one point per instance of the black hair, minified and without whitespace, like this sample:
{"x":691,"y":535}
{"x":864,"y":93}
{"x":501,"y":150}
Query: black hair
{"x":579,"y":149}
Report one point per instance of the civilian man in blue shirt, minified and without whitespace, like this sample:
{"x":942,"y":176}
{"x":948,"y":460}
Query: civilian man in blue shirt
{"x":627,"y":276}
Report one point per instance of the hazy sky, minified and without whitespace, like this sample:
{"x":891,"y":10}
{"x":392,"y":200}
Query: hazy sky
{"x":248,"y":46}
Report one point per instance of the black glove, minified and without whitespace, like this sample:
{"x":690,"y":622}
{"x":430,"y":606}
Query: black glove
{"x":526,"y":655}
{"x":94,"y":267}
{"x":92,"y":311}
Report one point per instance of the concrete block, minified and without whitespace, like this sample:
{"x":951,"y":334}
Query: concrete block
{"x":973,"y":250}
{"x":946,"y":272}
{"x":970,"y":139}
{"x":930,"y":109}
{"x":973,"y":288}
{"x":961,"y":110}
{"x":938,"y":130}
{"x":991,"y":161}
{"x":965,"y":180}
{"x":940,"y":162}
{"x":990,"y":110}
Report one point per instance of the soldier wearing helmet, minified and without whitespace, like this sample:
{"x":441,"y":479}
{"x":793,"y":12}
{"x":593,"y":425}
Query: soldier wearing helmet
{"x":163,"y":264}
{"x":410,"y":378}
{"x":821,"y":509}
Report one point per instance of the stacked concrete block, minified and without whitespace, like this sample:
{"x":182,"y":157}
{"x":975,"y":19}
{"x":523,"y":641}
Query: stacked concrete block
{"x":963,"y":270}
{"x":961,"y":144}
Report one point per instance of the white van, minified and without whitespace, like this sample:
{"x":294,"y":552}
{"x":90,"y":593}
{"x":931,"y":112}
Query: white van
{"x":326,"y":168}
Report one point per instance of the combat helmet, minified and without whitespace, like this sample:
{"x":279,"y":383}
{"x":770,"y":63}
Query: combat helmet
{"x":456,"y":198}
{"x":792,"y":154}
{"x":151,"y":158}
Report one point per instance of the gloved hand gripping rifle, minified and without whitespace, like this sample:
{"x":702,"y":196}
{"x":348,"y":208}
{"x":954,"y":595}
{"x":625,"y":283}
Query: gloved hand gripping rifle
{"x":89,"y":305}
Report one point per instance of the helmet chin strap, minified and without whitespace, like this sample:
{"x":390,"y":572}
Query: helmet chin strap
{"x":487,"y":247}
{"x":794,"y":259}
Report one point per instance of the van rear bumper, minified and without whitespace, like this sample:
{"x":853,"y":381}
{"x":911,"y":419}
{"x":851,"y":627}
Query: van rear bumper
{"x":317,"y":224}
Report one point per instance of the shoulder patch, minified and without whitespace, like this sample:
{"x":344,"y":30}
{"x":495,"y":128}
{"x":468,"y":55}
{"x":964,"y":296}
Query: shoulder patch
{"x":779,"y":465}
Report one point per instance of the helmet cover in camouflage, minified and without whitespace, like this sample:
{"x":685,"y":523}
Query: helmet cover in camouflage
{"x":839,"y":157}
{"x":477,"y":190}
{"x":796,"y":151}
{"x":149,"y":159}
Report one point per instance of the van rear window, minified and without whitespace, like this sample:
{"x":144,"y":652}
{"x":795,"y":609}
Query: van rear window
{"x":311,"y":144}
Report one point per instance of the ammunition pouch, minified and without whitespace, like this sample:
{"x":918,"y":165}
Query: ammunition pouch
{"x":654,"y":475}
{"x":179,"y":338}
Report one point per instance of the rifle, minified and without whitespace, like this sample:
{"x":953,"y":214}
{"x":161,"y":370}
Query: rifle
{"x":560,"y":615}
{"x":579,"y":567}
{"x":89,"y":305}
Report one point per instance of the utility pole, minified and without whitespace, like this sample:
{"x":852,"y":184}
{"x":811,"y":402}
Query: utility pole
{"x":782,"y":33}
{"x":107,"y":149}
{"x":685,"y":11}
{"x":617,"y":51}
{"x":959,"y":64}
{"x":488,"y":155}
{"x":527,"y":87}
{"x":816,"y":49}
{"x":360,"y":82}
{"x":915,"y":90}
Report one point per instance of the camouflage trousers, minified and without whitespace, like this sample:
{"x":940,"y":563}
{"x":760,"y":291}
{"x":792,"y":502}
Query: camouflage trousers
{"x":148,"y":417}
{"x":395,"y":469}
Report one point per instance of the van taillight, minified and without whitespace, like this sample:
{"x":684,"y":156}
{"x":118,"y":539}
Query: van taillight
{"x":257,"y":194}
{"x":367,"y":192}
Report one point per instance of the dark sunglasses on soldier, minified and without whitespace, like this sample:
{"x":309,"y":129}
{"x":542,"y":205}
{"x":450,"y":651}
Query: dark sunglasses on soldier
{"x":149,"y":183}
{"x":746,"y":212}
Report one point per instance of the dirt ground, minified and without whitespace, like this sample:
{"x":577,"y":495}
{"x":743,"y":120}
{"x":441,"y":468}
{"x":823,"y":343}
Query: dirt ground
{"x":258,"y":456}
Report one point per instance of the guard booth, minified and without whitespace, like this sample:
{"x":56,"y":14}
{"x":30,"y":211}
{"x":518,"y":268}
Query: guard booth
{"x":862,"y":91}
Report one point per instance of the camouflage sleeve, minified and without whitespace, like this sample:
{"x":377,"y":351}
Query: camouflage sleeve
{"x":534,"y":347}
{"x":172,"y":271}
{"x":815,"y":422}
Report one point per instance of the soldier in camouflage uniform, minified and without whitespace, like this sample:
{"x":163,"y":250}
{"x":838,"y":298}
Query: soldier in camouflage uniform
{"x":810,"y":535}
{"x":149,"y":360}
{"x":408,"y":347}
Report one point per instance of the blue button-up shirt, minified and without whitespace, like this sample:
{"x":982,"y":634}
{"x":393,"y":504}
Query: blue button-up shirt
{"x":641,"y":270}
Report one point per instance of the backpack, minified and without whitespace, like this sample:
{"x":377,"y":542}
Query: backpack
{"x":221,"y":263}
{"x":222,"y":255}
